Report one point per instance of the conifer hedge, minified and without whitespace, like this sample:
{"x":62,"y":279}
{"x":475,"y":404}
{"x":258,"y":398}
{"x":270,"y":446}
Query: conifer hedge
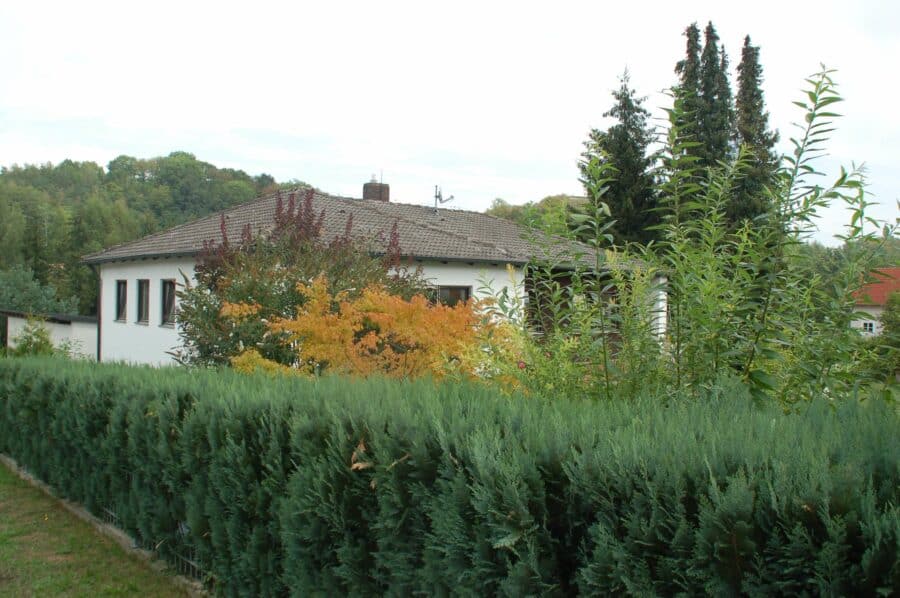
{"x":283,"y":486}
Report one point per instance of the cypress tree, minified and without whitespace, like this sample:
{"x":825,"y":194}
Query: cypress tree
{"x":752,"y":132}
{"x":631,"y":197}
{"x":688,"y":89}
{"x":716,"y":116}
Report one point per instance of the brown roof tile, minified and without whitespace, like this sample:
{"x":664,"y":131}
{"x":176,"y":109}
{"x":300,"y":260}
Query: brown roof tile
{"x":453,"y":235}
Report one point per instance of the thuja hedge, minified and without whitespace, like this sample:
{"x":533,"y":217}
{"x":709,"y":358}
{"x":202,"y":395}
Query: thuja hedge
{"x":378,"y":487}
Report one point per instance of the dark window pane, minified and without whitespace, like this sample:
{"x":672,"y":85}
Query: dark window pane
{"x":168,"y":301}
{"x":452,"y":295}
{"x":143,"y":300}
{"x":121,"y":299}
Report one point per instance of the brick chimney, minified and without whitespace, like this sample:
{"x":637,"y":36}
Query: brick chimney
{"x":375,"y":190}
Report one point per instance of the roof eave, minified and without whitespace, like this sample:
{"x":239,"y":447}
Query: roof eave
{"x":96,"y":260}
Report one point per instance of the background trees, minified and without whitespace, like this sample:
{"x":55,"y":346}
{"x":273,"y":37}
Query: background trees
{"x":52,"y":215}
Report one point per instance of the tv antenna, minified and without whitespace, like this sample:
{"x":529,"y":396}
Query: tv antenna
{"x":439,"y":198}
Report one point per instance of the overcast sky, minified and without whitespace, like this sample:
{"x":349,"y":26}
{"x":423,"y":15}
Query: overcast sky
{"x":486,"y":99}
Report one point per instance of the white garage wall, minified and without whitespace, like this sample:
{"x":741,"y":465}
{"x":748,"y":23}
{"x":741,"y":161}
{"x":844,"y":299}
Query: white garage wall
{"x":79,"y":337}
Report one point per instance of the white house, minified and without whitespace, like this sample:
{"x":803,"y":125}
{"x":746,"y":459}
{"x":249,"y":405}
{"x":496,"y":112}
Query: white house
{"x":872,"y":299}
{"x":457,"y":250}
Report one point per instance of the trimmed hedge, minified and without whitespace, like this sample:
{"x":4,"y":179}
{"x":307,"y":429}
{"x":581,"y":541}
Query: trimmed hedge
{"x":346,"y":487}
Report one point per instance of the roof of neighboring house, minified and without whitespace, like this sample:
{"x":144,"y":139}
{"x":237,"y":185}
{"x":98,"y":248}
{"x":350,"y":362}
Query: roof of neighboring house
{"x":425,"y":232}
{"x":887,"y":281}
{"x":55,"y":318}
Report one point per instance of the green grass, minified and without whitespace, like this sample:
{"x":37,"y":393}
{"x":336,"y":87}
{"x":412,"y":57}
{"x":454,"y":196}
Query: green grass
{"x":47,"y":551}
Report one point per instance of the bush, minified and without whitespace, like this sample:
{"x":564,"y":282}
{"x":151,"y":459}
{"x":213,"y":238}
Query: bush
{"x":375,"y":333}
{"x":742,"y":300}
{"x":258,"y":277}
{"x":34,"y":340}
{"x":332,"y":486}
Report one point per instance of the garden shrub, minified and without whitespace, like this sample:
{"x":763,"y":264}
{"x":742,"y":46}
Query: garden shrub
{"x":742,"y":299}
{"x":375,"y":333}
{"x":242,"y":285}
{"x":315,"y":486}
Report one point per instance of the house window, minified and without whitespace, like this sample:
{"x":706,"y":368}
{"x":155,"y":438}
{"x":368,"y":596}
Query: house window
{"x":869,"y":327}
{"x":143,"y":306}
{"x":168,"y":302}
{"x":121,"y":300}
{"x":450,"y":296}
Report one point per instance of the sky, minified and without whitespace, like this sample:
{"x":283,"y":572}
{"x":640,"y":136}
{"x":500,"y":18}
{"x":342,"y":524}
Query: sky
{"x":484,"y":99}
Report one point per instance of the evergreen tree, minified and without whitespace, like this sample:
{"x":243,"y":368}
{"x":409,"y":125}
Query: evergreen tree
{"x":688,"y":90}
{"x":752,"y":132}
{"x":630,"y":196}
{"x":716,"y":115}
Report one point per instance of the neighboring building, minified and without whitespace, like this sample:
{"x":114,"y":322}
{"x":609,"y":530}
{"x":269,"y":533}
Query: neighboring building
{"x":457,"y":250}
{"x":871,"y":299}
{"x":77,"y":334}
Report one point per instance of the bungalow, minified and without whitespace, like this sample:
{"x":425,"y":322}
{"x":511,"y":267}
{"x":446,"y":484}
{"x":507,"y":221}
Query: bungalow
{"x":872,"y":298}
{"x":457,"y":251}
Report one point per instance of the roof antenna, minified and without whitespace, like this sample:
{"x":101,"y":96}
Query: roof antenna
{"x":439,"y":198}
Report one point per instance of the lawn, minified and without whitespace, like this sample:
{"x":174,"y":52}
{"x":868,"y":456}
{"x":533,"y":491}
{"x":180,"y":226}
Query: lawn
{"x":47,"y":551}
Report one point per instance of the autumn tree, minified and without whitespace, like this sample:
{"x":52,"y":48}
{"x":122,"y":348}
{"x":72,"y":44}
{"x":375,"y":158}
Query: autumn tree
{"x":258,"y":276}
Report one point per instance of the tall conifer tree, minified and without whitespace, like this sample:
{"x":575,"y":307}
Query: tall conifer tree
{"x":688,"y":90}
{"x":716,"y":115}
{"x":752,"y":132}
{"x":631,"y":197}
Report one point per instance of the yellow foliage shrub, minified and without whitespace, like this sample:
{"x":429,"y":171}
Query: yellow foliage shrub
{"x":382,"y":333}
{"x":238,"y":311}
{"x":251,"y":361}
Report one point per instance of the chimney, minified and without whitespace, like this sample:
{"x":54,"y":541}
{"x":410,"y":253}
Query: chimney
{"x":375,"y":190}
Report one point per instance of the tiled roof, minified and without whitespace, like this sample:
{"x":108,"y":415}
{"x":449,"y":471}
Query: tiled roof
{"x":887,"y":281}
{"x":425,"y":233}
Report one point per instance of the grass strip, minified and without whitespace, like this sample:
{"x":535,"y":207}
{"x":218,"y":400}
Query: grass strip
{"x":47,"y":551}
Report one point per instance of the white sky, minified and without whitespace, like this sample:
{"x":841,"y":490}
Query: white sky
{"x":486,"y":99}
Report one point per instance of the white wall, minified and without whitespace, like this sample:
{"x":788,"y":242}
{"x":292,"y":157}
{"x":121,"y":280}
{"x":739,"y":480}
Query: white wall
{"x":874,"y":315}
{"x":148,"y":343}
{"x":129,"y":340}
{"x":660,"y":306}
{"x":463,"y":274}
{"x":79,"y":337}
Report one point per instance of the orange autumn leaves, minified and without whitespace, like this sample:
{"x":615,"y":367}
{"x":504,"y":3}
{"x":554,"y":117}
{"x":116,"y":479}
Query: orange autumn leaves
{"x":377,"y":332}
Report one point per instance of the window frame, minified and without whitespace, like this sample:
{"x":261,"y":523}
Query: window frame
{"x":121,"y":301}
{"x":143,"y":301}
{"x":439,"y":289}
{"x":168,"y":307}
{"x":868,"y":327}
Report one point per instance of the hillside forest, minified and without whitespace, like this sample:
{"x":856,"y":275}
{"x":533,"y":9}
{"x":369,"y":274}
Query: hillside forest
{"x":52,"y":215}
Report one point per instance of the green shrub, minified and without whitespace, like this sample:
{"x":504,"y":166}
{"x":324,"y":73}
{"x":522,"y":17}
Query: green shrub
{"x":742,"y":299}
{"x":331,"y":486}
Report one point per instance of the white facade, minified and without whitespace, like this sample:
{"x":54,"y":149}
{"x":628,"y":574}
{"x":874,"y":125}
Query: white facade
{"x":132,"y":341}
{"x":871,"y":324}
{"x":480,"y":278}
{"x":78,"y":337}
{"x":128,"y":339}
